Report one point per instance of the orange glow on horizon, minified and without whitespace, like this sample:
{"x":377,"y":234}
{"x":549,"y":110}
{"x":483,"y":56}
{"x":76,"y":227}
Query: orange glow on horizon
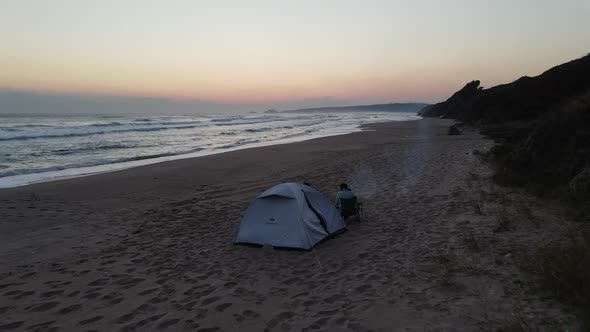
{"x":272,"y":52}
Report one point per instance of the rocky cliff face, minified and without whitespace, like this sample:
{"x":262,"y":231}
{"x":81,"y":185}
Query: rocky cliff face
{"x":521,"y":100}
{"x":542,"y":124}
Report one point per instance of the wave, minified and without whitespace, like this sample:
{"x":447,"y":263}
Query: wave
{"x":34,"y":131}
{"x":28,"y":126}
{"x":238,"y":143}
{"x":95,"y":163}
{"x":257,"y":130}
{"x":82,"y":133}
{"x":139,"y":122}
{"x":249,"y":118}
{"x":306,"y":132}
{"x":92,"y":148}
{"x":233,"y":121}
{"x":113,"y":124}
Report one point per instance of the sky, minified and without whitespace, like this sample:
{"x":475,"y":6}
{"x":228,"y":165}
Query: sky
{"x":291,"y":54}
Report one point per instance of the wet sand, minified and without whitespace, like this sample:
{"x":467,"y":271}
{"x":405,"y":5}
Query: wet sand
{"x":149,"y":248}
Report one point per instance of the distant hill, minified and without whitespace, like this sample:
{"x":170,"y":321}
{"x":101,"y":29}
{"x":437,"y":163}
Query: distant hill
{"x":542,"y":124}
{"x":392,"y":107}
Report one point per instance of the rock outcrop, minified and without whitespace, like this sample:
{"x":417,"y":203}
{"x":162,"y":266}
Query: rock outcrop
{"x":459,"y":103}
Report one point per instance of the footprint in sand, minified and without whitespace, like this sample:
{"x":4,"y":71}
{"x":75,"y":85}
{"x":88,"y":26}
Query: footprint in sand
{"x":333,"y":298}
{"x":13,"y":284}
{"x":210,"y":300}
{"x":52,"y":293}
{"x":329,"y":313}
{"x":98,"y":282}
{"x":111,"y":261}
{"x":185,"y":305}
{"x":230,"y":284}
{"x":81,"y":273}
{"x":126,"y":318}
{"x":168,"y":323}
{"x":14,"y":292}
{"x":11,"y":326}
{"x":149,"y":291}
{"x":113,"y":298}
{"x":222,"y":307}
{"x":278,"y":291}
{"x":298,"y":295}
{"x":69,"y":309}
{"x":191,"y":323}
{"x":247,"y":314}
{"x":129,"y":282}
{"x":20,"y":294}
{"x":195,"y":293}
{"x":309,"y":303}
{"x":42,"y":327}
{"x":41,"y":307}
{"x":283,"y":317}
{"x":157,"y":299}
{"x":363,"y":289}
{"x":209,"y":329}
{"x":291,"y":281}
{"x":317,"y":325}
{"x":90,"y":320}
{"x":142,"y":309}
{"x":27,"y":275}
{"x":138,"y":325}
{"x":91,"y":296}
{"x":162,"y":281}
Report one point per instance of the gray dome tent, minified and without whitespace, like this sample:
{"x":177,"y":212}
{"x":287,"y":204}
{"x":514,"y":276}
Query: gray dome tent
{"x":289,"y":215}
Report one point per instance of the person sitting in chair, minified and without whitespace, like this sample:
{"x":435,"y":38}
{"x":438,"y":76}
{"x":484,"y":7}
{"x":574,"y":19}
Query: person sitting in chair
{"x":344,"y":193}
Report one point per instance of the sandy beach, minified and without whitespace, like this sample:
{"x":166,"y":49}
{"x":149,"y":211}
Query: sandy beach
{"x":440,"y":247}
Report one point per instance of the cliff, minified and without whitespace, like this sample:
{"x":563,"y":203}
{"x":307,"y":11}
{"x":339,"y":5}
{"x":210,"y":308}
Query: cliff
{"x":542,"y":125}
{"x":523,"y":99}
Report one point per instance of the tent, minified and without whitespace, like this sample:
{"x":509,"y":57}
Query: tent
{"x":289,"y":215}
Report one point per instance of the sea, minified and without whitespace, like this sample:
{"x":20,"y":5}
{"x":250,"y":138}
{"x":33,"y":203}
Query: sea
{"x":39,"y":148}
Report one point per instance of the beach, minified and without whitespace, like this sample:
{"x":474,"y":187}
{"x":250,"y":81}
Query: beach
{"x":150,"y":248}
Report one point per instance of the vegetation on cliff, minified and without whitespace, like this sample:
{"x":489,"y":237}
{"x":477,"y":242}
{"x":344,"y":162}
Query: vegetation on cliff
{"x":542,"y":125}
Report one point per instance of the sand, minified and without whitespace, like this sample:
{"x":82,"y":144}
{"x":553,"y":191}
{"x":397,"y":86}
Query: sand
{"x":440,"y":247}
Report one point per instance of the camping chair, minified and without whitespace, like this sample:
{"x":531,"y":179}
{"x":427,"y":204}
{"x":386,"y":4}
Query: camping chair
{"x":351,"y":209}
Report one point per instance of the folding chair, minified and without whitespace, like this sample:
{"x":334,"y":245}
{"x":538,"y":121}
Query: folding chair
{"x":351,"y":209}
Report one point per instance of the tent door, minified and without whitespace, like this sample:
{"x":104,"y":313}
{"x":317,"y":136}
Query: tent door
{"x":317,"y":214}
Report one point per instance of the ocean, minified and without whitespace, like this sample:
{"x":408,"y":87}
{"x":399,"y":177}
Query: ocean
{"x":37,"y":148}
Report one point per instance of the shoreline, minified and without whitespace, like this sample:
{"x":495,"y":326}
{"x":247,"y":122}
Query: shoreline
{"x":20,"y":180}
{"x":150,"y":247}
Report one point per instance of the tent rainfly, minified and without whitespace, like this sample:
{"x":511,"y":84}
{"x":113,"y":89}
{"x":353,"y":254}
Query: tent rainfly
{"x":289,"y":215}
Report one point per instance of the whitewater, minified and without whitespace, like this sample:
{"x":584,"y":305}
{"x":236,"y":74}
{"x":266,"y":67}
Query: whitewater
{"x":37,"y":148}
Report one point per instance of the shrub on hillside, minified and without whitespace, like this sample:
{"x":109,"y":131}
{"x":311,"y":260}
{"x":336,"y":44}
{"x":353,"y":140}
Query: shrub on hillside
{"x":554,"y":151}
{"x":565,"y":270}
